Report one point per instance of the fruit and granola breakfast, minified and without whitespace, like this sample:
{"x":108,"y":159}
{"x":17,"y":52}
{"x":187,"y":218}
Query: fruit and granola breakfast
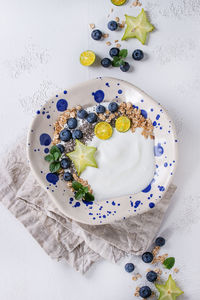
{"x":109,"y":145}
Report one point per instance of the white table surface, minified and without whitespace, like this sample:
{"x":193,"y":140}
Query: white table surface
{"x":39,"y":55}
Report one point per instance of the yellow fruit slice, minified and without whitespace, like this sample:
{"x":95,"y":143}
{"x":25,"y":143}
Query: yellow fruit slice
{"x":103,"y":130}
{"x":118,"y":2}
{"x":122,"y":124}
{"x":87,"y":58}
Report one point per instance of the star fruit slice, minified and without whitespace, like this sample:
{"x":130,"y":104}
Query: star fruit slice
{"x":82,"y":157}
{"x":169,"y":290}
{"x":137,"y":27}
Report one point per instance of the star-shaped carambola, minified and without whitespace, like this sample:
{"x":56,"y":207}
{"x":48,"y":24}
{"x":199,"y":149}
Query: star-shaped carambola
{"x":82,"y":157}
{"x":137,"y":27}
{"x":169,"y":290}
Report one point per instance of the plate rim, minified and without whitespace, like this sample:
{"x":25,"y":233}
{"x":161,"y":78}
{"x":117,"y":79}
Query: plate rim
{"x":106,"y":221}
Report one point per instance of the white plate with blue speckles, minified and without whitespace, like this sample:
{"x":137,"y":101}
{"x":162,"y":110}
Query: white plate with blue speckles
{"x":102,"y":212}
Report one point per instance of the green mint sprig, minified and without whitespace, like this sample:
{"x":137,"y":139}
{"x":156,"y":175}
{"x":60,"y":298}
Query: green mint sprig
{"x":82,"y":192}
{"x":119,"y":60}
{"x":169,"y":262}
{"x":53,"y":159}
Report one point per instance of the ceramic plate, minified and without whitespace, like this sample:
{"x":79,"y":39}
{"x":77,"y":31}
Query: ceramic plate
{"x":87,"y":94}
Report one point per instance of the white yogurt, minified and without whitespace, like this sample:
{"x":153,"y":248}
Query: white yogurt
{"x":125,"y":165}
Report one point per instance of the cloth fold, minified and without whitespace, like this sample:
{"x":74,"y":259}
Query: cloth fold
{"x":62,"y":238}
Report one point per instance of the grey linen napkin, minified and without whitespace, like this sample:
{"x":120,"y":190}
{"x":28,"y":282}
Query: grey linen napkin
{"x":62,"y":238}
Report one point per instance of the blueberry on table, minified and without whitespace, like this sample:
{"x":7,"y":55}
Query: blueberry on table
{"x":125,"y":67}
{"x":65,"y":163}
{"x":137,"y":54}
{"x":65,"y":135}
{"x":82,"y":113}
{"x":147,"y":257}
{"x":77,"y":134}
{"x":67,"y":176}
{"x":160,"y":241}
{"x":112,"y":25}
{"x":61,"y":148}
{"x":129,"y":267}
{"x":114,"y":52}
{"x":96,"y":34}
{"x":113,"y":106}
{"x":152,"y":276}
{"x":92,"y":118}
{"x":72,"y":123}
{"x":145,"y":292}
{"x":106,"y":62}
{"x":100,"y":109}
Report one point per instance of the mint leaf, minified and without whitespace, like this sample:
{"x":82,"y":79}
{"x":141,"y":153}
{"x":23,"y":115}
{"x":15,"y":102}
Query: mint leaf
{"x":49,"y":158}
{"x":169,"y":262}
{"x":123,"y":53}
{"x":89,"y":197}
{"x":55,"y":149}
{"x":116,"y":63}
{"x":122,"y":62}
{"x":78,"y":195}
{"x":56,"y":155}
{"x":76,"y":185}
{"x":54,"y":167}
{"x":85,"y":189}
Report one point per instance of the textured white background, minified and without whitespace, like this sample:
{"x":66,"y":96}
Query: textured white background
{"x":40,"y":43}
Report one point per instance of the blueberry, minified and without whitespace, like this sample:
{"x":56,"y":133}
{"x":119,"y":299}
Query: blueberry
{"x":65,"y":163}
{"x":114,"y":52}
{"x":137,"y":54}
{"x":129,"y":267}
{"x":61,"y":148}
{"x":100,"y":109}
{"x":92,"y":118}
{"x":82,"y":113}
{"x":113,"y":106}
{"x":112,"y":25}
{"x":151,"y":276}
{"x":106,"y":62}
{"x":77,"y":134}
{"x":65,"y":135}
{"x":160,"y":241}
{"x":67,"y":176}
{"x":147,"y":257}
{"x":72,"y":123}
{"x":145,"y":292}
{"x":96,"y":34}
{"x":125,"y":67}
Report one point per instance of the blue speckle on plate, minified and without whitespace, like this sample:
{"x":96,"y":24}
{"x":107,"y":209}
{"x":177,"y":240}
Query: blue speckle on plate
{"x":144,"y":113}
{"x":46,"y":150}
{"x":52,"y":178}
{"x":151,"y":204}
{"x":158,"y":150}
{"x":61,"y":105}
{"x":45,"y":139}
{"x":98,"y":96}
{"x":147,"y":189}
{"x":77,"y":204}
{"x":120,"y":92}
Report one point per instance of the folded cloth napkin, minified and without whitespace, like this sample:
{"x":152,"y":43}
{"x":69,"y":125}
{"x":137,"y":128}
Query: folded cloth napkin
{"x":62,"y":238}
